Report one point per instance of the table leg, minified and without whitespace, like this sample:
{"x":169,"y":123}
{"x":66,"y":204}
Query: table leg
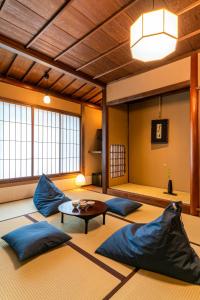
{"x":86,"y":226}
{"x":104,"y":218}
{"x":62,"y":218}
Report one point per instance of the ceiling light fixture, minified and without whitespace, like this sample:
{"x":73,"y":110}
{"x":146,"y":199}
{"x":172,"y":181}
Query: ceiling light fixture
{"x":46,"y":98}
{"x":154,"y":35}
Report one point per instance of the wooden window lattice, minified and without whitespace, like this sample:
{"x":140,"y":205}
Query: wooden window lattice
{"x":117,"y":160}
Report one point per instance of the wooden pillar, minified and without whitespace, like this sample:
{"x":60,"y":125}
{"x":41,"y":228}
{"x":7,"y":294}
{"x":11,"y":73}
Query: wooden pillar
{"x":104,"y":143}
{"x":194,"y":144}
{"x":83,"y":139}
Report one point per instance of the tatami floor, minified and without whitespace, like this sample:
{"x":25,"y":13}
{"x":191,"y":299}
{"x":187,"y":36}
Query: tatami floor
{"x":153,"y":192}
{"x":74,"y":271}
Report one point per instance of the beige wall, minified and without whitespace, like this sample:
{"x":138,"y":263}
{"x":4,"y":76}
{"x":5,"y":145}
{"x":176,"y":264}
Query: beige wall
{"x":118,"y":134}
{"x":92,"y":122}
{"x":146,"y":161}
{"x":163,"y":76}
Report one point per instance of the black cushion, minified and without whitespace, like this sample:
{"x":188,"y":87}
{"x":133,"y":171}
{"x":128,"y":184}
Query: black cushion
{"x":160,"y":246}
{"x":122,"y":206}
{"x":34,"y":239}
{"x":48,"y":197}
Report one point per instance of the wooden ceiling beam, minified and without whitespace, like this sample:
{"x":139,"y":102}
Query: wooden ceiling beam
{"x":88,"y":92}
{"x":79,"y":89}
{"x":67,"y":85}
{"x":42,"y":77}
{"x":188,"y":8}
{"x":11,"y":64}
{"x":20,"y":84}
{"x":103,"y":55}
{"x":45,"y":60}
{"x":96,"y":94}
{"x":27,"y":72}
{"x":60,"y":77}
{"x":48,"y":23}
{"x":99,"y":26}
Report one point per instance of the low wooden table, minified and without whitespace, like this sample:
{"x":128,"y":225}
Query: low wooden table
{"x":90,"y":212}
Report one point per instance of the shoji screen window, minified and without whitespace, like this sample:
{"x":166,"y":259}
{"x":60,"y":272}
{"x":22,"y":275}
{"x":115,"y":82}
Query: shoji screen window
{"x":46,"y":142}
{"x":70,"y":144}
{"x":15,"y":140}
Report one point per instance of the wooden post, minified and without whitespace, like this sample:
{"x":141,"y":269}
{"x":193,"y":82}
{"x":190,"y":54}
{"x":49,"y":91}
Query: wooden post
{"x":104,"y":143}
{"x":194,"y":144}
{"x":83,"y":139}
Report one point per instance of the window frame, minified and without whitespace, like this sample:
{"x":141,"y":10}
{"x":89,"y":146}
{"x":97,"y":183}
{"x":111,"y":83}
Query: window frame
{"x":59,"y":175}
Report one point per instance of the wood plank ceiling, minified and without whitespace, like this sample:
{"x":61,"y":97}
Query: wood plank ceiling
{"x":82,"y":44}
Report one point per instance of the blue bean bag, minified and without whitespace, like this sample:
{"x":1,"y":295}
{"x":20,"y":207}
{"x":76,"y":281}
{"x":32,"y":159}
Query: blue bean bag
{"x":48,"y":197}
{"x":34,"y":239}
{"x":160,"y":246}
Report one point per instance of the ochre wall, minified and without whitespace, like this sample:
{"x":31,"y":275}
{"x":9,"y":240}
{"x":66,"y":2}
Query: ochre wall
{"x":146,"y":161}
{"x":92,"y":122}
{"x":118,"y":134}
{"x":36,"y":98}
{"x":170,"y":74}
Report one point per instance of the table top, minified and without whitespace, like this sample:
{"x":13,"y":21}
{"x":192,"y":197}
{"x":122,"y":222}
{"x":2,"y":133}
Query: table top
{"x":97,"y":209}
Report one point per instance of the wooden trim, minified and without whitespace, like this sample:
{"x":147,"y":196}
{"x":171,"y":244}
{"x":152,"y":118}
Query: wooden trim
{"x":194,"y":135}
{"x":28,"y":86}
{"x":164,"y":90}
{"x":34,"y":179}
{"x":104,"y":144}
{"x":189,"y":35}
{"x":188,"y":8}
{"x":18,"y":48}
{"x":145,"y":199}
{"x":79,"y":89}
{"x":48,"y":23}
{"x":96,"y":94}
{"x":66,"y":86}
{"x":11,"y":64}
{"x":60,"y":77}
{"x":103,"y":55}
{"x":82,"y":139}
{"x":99,"y":26}
{"x":43,"y":77}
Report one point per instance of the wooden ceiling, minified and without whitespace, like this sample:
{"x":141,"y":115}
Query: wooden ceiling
{"x":82,"y":44}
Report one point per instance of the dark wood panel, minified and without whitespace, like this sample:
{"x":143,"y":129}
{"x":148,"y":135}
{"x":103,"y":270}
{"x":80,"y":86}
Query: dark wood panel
{"x":57,"y":37}
{"x":44,"y":8}
{"x":6,"y":58}
{"x":96,"y":98}
{"x":94,"y":41}
{"x":53,"y":76}
{"x":121,"y":56}
{"x":84,"y":90}
{"x":45,"y":48}
{"x":19,"y":67}
{"x":64,"y":81}
{"x":103,"y":9}
{"x":83,"y":52}
{"x":104,"y":64}
{"x":92,"y":93}
{"x":118,"y":74}
{"x":119,"y":28}
{"x":35,"y":74}
{"x":70,"y":60}
{"x":73,"y":87}
{"x":73,"y":22}
{"x":189,"y":21}
{"x":177,"y":5}
{"x":11,"y":31}
{"x":19,"y":15}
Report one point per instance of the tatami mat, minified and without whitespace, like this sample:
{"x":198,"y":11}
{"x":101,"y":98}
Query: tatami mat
{"x":153,"y":192}
{"x":58,"y":274}
{"x":16,"y":208}
{"x":97,"y":234}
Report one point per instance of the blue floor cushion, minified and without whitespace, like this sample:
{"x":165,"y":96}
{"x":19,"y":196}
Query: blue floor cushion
{"x":122,"y":206}
{"x":48,"y":197}
{"x":160,"y":246}
{"x":34,"y":239}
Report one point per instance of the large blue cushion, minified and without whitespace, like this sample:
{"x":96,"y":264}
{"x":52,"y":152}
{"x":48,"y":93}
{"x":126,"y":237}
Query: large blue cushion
{"x":122,"y":206}
{"x":48,"y":197}
{"x":30,"y":240}
{"x":160,"y":246}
